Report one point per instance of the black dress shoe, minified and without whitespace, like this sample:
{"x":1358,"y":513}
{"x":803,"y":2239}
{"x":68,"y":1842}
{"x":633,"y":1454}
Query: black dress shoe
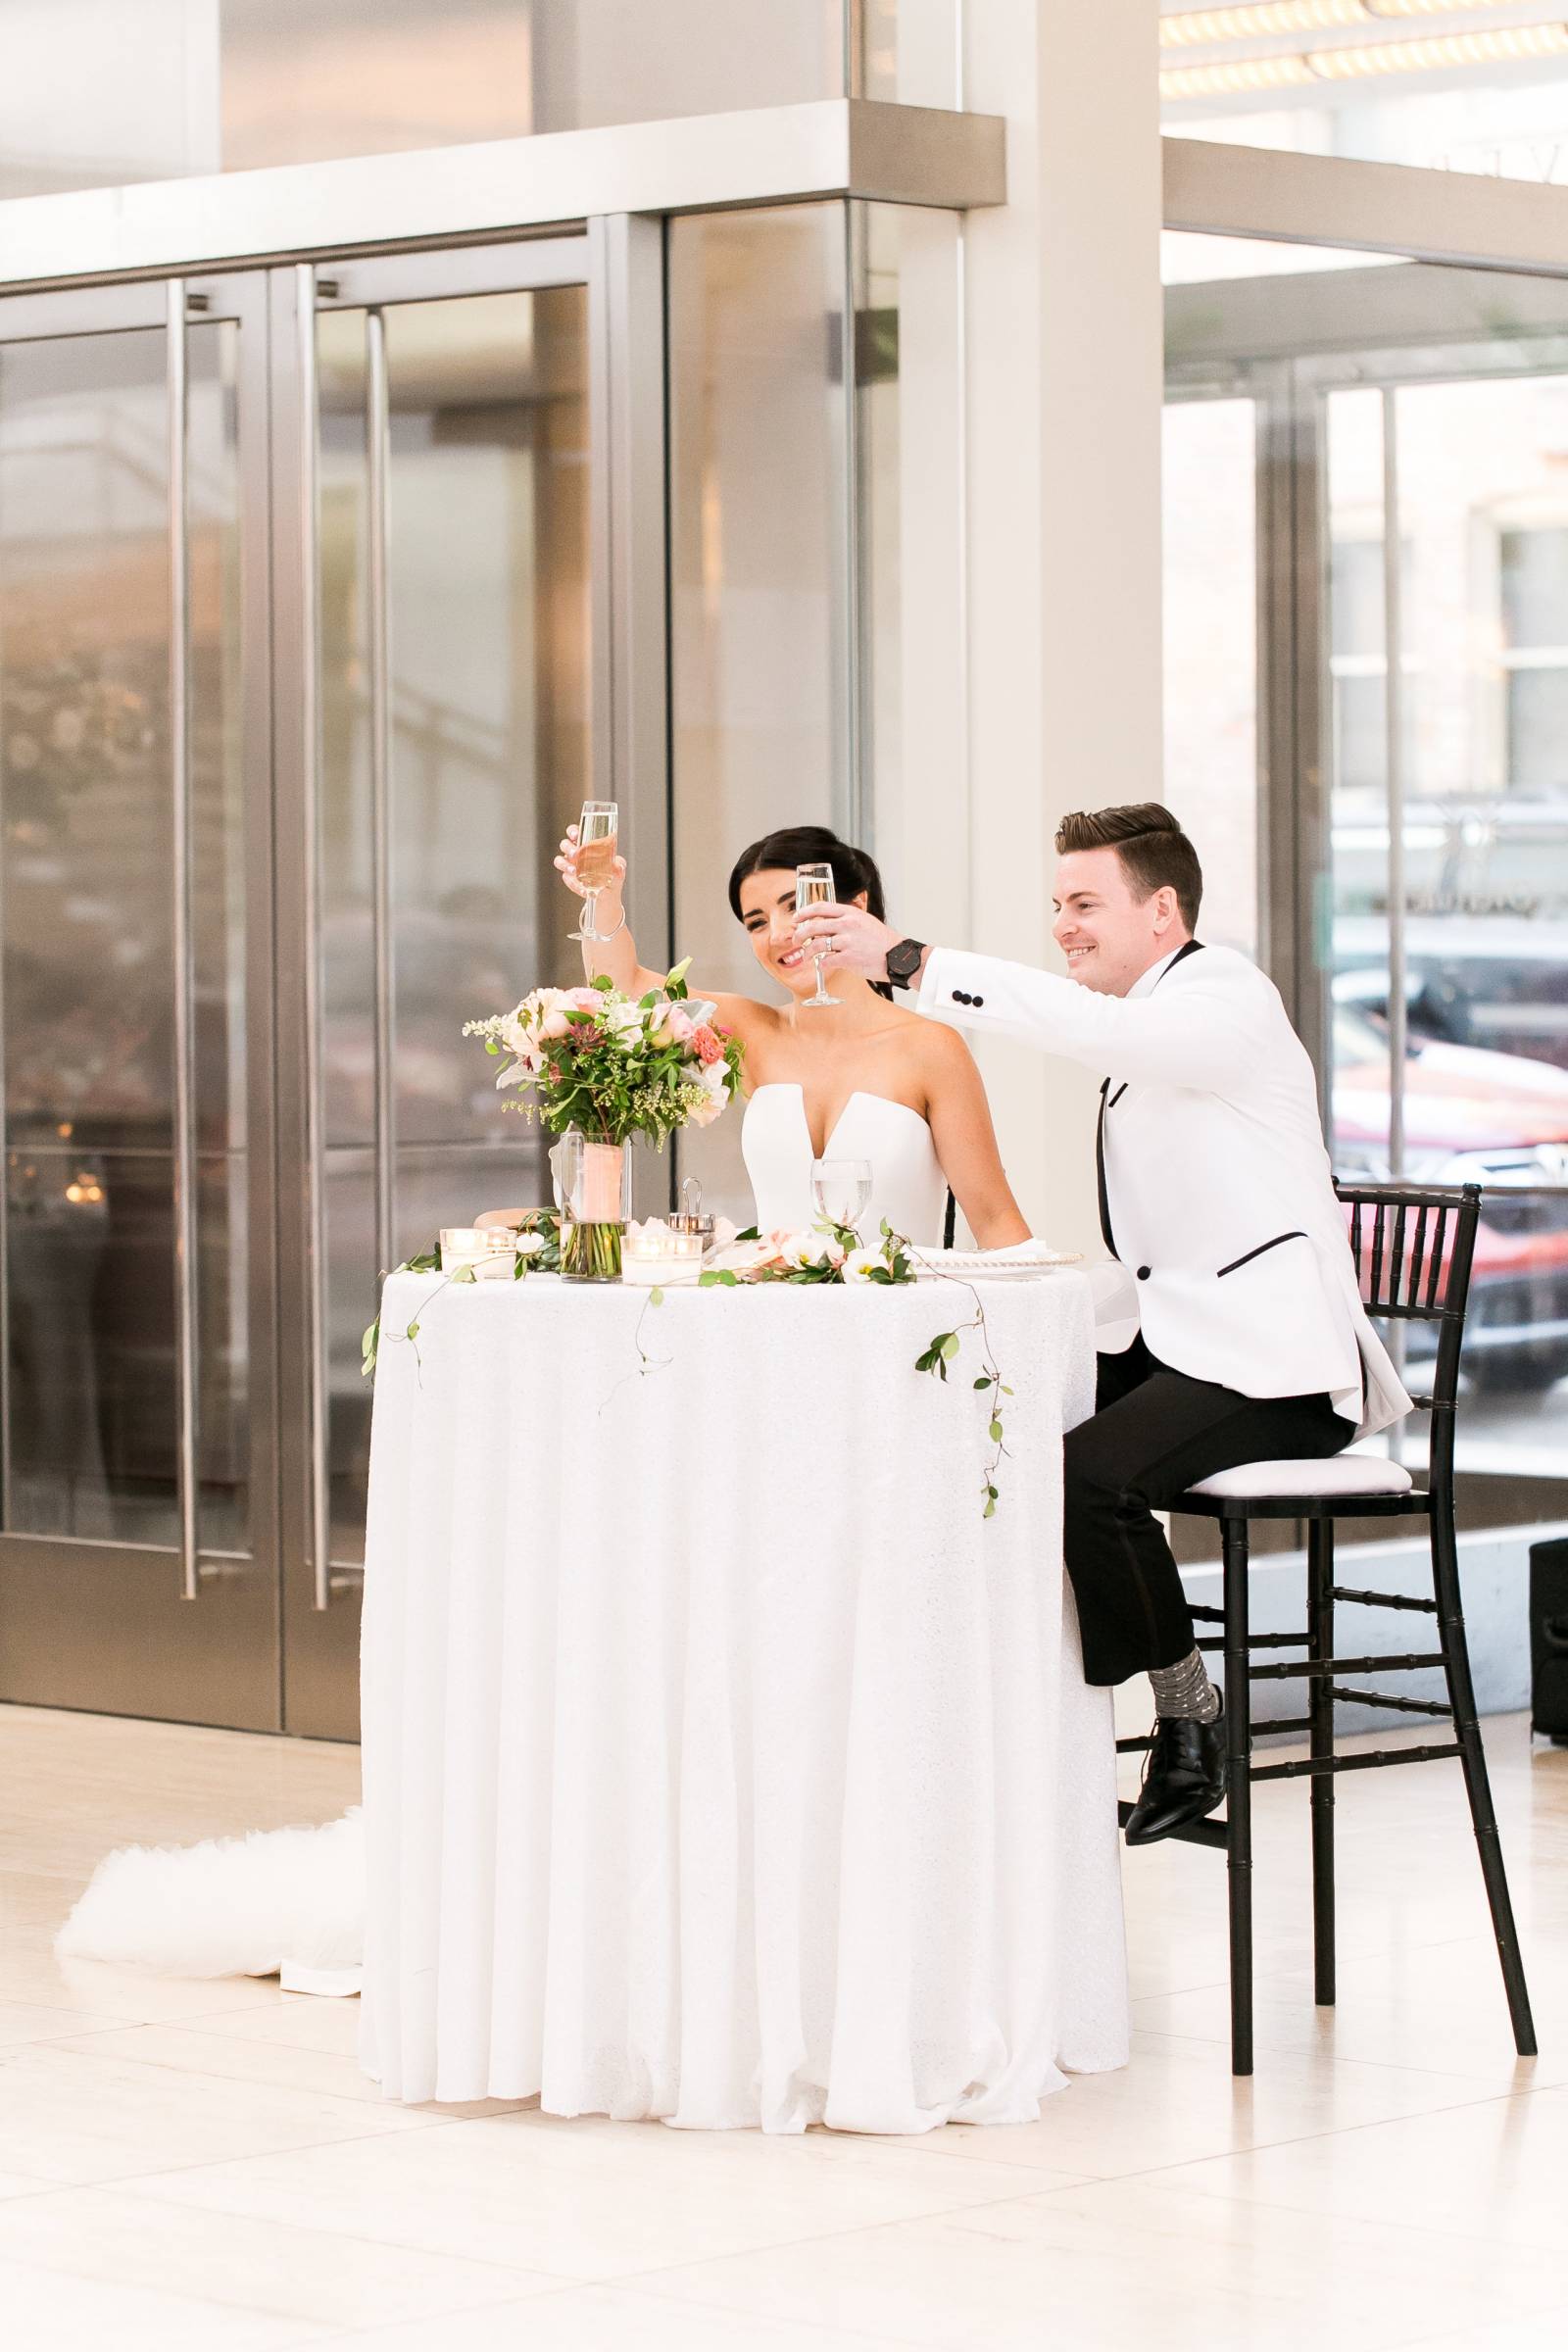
{"x":1184,"y":1777}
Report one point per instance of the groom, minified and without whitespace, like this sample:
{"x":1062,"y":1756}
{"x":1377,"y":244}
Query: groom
{"x":1215,"y":1193}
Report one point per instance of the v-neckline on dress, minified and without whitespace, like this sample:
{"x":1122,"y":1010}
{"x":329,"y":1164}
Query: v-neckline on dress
{"x":857,"y":1094}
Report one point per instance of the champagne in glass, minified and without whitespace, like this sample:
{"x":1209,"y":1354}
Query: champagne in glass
{"x":598,"y":829}
{"x":814,"y":887}
{"x":842,"y":1191}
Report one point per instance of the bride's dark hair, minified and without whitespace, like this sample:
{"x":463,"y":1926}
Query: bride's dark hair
{"x":854,"y":871}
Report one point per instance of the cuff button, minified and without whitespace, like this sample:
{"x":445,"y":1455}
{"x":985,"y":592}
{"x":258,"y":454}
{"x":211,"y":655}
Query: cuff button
{"x":1143,"y":1273}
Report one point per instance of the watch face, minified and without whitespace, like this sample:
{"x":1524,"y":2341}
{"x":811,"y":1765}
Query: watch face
{"x":905,"y":958}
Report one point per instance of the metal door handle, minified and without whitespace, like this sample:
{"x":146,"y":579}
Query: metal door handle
{"x":320,"y":1516}
{"x":184,"y":973}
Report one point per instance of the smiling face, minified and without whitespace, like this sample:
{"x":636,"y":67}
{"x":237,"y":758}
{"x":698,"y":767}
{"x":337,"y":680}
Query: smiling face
{"x":768,"y":911}
{"x":1109,"y":936}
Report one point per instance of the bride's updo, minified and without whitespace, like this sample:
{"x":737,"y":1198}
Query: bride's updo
{"x":854,"y":871}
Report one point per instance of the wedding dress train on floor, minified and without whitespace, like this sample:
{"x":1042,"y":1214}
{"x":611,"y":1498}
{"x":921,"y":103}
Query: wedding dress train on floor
{"x":278,"y":1902}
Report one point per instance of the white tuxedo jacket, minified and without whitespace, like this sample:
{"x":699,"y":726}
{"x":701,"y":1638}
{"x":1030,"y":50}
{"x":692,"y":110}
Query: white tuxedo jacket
{"x":1215,"y":1185}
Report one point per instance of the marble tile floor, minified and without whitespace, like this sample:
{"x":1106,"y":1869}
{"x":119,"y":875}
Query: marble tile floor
{"x":202,"y":2166}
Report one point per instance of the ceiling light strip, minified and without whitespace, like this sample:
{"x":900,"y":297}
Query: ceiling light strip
{"x":1194,"y":27}
{"x":1432,"y":54}
{"x":1440,"y":52}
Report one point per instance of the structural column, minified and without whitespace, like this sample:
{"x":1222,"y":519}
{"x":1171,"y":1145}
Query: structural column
{"x":1063,"y":375}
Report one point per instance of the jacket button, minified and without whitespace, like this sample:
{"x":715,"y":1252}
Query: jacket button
{"x":1143,"y":1273}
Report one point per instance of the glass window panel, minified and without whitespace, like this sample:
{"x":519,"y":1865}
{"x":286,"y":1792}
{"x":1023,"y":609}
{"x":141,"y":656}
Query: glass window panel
{"x":1356,"y":596}
{"x":348,"y":965}
{"x":1537,"y":731}
{"x":164,"y":88}
{"x":84,"y":725}
{"x":1211,"y":745}
{"x":1534,"y":571}
{"x":758,"y":578}
{"x":490,"y":673}
{"x":1360,"y":733}
{"x":87,"y":801}
{"x":90,"y":1302}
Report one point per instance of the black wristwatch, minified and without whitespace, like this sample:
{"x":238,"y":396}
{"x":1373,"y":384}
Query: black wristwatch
{"x":903,"y":962}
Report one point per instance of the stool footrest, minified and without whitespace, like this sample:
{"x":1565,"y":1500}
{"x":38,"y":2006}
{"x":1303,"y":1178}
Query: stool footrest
{"x":1288,"y":1669}
{"x":1386,"y":1601}
{"x":1258,"y":1641}
{"x":1312,"y":1767}
{"x":1400,"y":1706}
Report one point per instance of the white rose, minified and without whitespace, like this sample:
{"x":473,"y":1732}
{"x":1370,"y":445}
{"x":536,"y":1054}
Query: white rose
{"x":859,"y":1265}
{"x":625,"y":1024}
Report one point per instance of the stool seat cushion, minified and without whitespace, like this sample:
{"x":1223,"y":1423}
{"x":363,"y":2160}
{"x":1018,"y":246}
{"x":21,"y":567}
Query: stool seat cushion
{"x":1337,"y":1474}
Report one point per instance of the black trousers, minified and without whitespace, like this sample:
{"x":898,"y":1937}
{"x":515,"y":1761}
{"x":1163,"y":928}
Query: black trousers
{"x":1153,"y":1434}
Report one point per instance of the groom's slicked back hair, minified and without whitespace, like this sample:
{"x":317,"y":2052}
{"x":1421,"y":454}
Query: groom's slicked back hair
{"x":1155,"y":853}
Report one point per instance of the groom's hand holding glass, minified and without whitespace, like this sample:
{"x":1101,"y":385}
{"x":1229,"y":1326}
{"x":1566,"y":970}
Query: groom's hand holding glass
{"x":849,"y":939}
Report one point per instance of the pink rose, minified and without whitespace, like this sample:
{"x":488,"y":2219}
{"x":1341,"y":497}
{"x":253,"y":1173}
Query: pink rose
{"x":584,"y":999}
{"x":682,"y":1028}
{"x":708,"y":1048}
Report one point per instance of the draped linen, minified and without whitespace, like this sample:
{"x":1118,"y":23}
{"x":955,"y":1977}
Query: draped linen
{"x":721,"y":1764}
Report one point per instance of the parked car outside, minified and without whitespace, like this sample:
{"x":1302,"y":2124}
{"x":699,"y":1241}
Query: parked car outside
{"x":1473,"y":1117}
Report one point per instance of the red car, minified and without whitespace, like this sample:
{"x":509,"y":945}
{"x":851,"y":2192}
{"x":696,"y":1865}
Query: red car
{"x":1472,"y":1116}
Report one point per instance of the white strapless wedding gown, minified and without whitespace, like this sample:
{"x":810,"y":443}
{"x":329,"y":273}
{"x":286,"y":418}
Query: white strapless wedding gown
{"x":908,"y":1186}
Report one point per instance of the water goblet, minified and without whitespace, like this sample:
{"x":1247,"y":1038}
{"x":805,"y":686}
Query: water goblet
{"x":842,"y":1191}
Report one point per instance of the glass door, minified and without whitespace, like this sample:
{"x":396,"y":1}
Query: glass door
{"x":1445,"y":586}
{"x":1405,"y":700}
{"x":444,"y":659}
{"x":137,"y":1391}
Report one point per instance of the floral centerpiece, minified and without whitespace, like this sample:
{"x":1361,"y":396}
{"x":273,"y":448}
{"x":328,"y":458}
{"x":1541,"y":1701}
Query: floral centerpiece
{"x":599,"y":1066}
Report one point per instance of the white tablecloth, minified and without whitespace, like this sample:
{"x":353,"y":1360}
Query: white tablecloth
{"x":721,"y":1764}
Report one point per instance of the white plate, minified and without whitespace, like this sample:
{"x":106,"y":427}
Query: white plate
{"x":982,"y":1265}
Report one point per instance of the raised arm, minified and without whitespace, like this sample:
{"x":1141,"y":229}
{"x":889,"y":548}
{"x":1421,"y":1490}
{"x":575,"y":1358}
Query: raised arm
{"x":616,"y":956}
{"x":966,"y":1143}
{"x":1200,"y":1034}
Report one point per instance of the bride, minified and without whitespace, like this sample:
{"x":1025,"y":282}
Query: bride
{"x":867,"y":1080}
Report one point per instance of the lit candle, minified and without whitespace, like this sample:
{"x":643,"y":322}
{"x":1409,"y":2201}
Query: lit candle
{"x":488,"y":1252}
{"x":652,"y":1256}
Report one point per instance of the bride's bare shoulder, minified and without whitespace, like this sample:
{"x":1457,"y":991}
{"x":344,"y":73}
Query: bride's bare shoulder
{"x":745,"y":1016}
{"x":944,"y":1052}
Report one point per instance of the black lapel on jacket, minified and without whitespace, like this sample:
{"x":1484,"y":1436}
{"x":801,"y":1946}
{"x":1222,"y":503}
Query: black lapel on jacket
{"x":1105,"y":1234}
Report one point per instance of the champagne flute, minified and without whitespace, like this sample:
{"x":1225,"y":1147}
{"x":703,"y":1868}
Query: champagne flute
{"x":842,"y":1191}
{"x":814,"y":887}
{"x":597,"y":831}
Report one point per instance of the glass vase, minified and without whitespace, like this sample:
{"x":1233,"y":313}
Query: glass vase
{"x":593,"y":1190}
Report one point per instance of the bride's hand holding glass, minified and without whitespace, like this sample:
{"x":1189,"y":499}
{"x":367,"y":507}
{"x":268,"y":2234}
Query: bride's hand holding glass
{"x":591,"y":865}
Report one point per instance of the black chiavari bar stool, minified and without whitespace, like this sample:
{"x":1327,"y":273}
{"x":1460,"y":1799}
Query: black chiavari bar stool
{"x":1414,"y":1251}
